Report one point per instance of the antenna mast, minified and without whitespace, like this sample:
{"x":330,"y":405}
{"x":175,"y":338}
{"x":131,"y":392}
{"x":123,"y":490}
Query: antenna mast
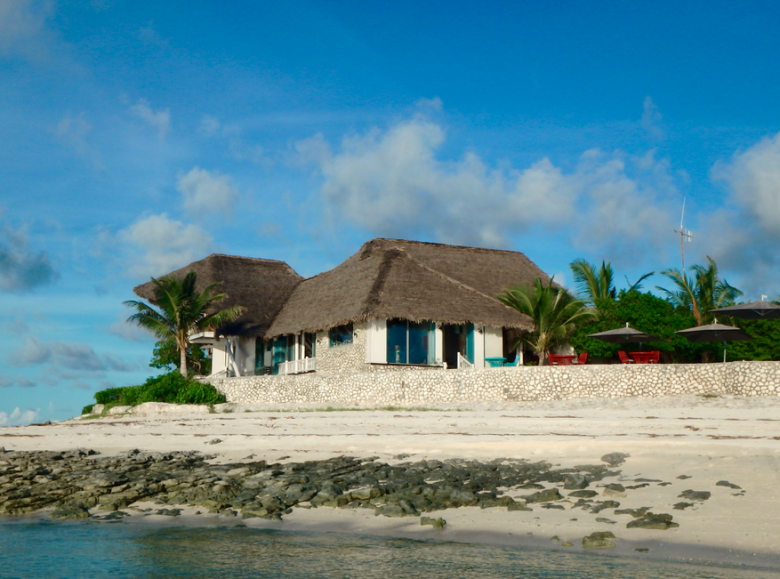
{"x":685,"y":235}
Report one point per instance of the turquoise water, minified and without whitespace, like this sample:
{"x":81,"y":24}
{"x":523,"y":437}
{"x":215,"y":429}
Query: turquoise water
{"x":40,"y":548}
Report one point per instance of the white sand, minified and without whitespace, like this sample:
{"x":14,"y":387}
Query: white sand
{"x":708,"y":439}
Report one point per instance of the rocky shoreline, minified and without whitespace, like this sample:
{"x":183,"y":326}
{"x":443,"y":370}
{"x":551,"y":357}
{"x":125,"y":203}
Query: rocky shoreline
{"x":82,"y":484}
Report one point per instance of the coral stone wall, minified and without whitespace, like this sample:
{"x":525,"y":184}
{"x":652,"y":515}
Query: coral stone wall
{"x":506,"y":384}
{"x":349,"y":357}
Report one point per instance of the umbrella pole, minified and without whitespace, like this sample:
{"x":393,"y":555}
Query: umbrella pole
{"x":724,"y":351}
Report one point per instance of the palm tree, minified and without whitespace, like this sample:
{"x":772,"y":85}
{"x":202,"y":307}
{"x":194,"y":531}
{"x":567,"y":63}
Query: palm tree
{"x":182,"y":312}
{"x":702,"y":293}
{"x":554,"y":311}
{"x":593,"y":285}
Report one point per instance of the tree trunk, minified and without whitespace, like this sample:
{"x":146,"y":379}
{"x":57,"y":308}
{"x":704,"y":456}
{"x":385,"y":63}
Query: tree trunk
{"x":183,"y":360}
{"x":542,"y":358}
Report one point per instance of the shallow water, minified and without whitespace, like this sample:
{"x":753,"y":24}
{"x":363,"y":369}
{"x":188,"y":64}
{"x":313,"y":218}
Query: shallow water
{"x":72,"y":550}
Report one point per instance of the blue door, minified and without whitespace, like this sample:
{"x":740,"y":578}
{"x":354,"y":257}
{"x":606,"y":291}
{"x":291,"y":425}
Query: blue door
{"x":470,"y":343}
{"x":280,"y":348}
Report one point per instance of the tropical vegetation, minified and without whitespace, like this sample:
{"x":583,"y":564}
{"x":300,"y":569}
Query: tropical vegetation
{"x":554,"y":311}
{"x":172,"y":388}
{"x":181,"y":312}
{"x":689,"y":302}
{"x":702,"y":293}
{"x":598,"y":284}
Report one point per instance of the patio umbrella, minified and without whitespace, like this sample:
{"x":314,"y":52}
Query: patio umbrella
{"x":625,"y":335}
{"x":753,"y":311}
{"x":715,"y":333}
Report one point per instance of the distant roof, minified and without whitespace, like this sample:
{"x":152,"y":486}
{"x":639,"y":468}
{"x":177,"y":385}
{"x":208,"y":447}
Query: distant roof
{"x":262,"y":286}
{"x":412,"y":280}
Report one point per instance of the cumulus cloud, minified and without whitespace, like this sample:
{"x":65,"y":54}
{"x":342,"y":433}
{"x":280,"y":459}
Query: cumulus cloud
{"x":651,"y":119}
{"x":22,"y":269}
{"x":392,"y":183}
{"x":205,"y":193}
{"x":156,"y":245}
{"x":19,"y":417}
{"x":129,"y":332}
{"x":23,"y":30}
{"x":745,"y":234}
{"x":160,"y":120}
{"x":754,"y":178}
{"x":72,"y":355}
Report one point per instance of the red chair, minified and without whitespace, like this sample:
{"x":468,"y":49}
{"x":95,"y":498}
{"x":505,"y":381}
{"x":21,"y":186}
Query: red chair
{"x":583,"y":358}
{"x":656,"y":356}
{"x":624,"y":357}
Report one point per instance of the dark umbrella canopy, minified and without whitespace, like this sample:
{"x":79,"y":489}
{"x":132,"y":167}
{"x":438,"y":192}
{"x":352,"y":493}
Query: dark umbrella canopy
{"x":625,"y":335}
{"x":715,"y":333}
{"x":752,"y":311}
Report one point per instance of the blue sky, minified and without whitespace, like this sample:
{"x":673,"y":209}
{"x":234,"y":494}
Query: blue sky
{"x":137,"y":137}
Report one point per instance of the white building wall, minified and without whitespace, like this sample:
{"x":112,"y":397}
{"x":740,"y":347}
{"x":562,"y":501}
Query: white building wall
{"x":219,"y":359}
{"x":438,"y":345}
{"x":494,"y":342}
{"x":245,"y":355}
{"x":479,"y":346}
{"x":376,"y":342}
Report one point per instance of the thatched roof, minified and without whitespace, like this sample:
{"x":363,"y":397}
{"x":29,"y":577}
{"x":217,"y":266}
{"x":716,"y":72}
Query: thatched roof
{"x":410,"y":280}
{"x":262,"y":286}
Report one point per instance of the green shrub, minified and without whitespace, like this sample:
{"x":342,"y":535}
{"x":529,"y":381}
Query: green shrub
{"x":87,"y":409}
{"x":172,"y":388}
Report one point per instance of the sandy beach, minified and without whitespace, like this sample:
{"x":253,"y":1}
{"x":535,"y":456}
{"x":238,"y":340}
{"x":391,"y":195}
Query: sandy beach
{"x":673,"y":445}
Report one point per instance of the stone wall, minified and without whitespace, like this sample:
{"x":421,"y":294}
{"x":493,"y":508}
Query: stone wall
{"x":506,"y":384}
{"x":346,"y":358}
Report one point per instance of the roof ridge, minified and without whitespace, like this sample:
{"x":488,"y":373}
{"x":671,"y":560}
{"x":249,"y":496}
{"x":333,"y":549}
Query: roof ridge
{"x":265,"y":259}
{"x":454,"y":281}
{"x":435,"y":243}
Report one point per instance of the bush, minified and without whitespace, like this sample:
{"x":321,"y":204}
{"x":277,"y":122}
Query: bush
{"x":172,"y":388}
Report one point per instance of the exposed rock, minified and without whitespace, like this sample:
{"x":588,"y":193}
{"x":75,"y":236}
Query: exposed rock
{"x":681,"y":506}
{"x":614,"y":490}
{"x":575,"y":481}
{"x":725,"y":483}
{"x":653,"y":521}
{"x":636,"y":513}
{"x":438,"y":523}
{"x":599,"y":540}
{"x":583,"y":494}
{"x":692,"y":495}
{"x":615,"y":458}
{"x":544,"y":496}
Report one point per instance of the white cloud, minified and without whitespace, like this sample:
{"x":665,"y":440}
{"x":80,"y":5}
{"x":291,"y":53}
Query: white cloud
{"x":129,"y":332}
{"x":22,"y":29}
{"x":160,"y":120}
{"x":209,"y":125}
{"x":22,"y":269}
{"x":434,"y":104}
{"x":72,"y":355}
{"x":754,"y":178}
{"x":19,"y":417}
{"x":391,"y":183}
{"x":72,"y":131}
{"x":651,"y":119}
{"x":205,"y":193}
{"x":743,"y":236}
{"x":156,"y":245}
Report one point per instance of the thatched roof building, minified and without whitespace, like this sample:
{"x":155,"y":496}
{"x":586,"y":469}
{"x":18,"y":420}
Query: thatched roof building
{"x":386,"y":279}
{"x":410,"y":280}
{"x":262,"y":286}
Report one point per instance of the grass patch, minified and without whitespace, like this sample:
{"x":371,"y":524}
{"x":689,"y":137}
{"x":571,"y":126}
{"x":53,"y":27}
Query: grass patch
{"x":172,"y":388}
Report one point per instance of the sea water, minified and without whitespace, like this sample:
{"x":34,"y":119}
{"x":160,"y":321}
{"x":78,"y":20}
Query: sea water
{"x":83,"y":549}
